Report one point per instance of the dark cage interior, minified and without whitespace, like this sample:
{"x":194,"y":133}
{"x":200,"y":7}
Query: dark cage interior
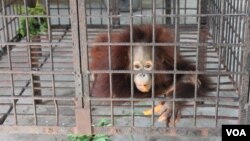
{"x":61,"y":64}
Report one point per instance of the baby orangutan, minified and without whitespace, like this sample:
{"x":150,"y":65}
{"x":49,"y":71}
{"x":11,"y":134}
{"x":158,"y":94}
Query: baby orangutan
{"x":143,"y":64}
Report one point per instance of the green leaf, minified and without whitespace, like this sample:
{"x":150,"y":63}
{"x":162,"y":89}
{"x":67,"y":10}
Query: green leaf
{"x":36,"y":25}
{"x":100,"y":137}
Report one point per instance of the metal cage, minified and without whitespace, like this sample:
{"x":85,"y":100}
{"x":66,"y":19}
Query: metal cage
{"x":45,"y":80}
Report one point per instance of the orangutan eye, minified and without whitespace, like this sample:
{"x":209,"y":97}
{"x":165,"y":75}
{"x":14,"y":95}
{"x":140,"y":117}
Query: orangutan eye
{"x":148,"y":65}
{"x":137,"y":66}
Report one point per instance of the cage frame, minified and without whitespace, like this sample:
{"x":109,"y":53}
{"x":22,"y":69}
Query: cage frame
{"x":81,"y":73}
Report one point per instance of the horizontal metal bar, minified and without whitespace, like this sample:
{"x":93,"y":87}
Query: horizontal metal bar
{"x":215,"y":72}
{"x":48,"y":105}
{"x":59,"y":98}
{"x":34,"y":16}
{"x":210,"y":99}
{"x":124,"y":16}
{"x":41,"y":88}
{"x":42,"y":115}
{"x":218,"y":45}
{"x":45,"y":44}
{"x":4,"y":129}
{"x":149,"y":105}
{"x":63,"y":72}
{"x":167,"y":15}
{"x":182,"y":116}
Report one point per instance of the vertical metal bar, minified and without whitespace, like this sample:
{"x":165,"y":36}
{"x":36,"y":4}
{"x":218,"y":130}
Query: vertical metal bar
{"x":244,"y":89}
{"x":6,"y":39}
{"x":47,"y":5}
{"x":36,"y":54}
{"x":168,"y":11}
{"x":237,"y":48}
{"x":185,"y":11}
{"x":153,"y":57}
{"x":176,"y":40}
{"x":58,"y":11}
{"x":132,"y":59}
{"x":115,"y":10}
{"x":233,"y":5}
{"x":90,"y":10}
{"x":109,"y":59}
{"x":209,"y":19}
{"x":227,"y":34}
{"x":15,"y":19}
{"x":4,"y":23}
{"x":230,"y":38}
{"x":101,"y":12}
{"x":12,"y":85}
{"x":204,"y":6}
{"x":241,"y":39}
{"x":78,"y":21}
{"x":68,"y":11}
{"x":163,"y":11}
{"x":141,"y":13}
{"x":218,"y":90}
{"x":198,"y":56}
{"x":10,"y":22}
{"x":246,"y":9}
{"x":247,"y":121}
{"x":222,"y":3}
{"x":30,"y":57}
{"x":223,"y":49}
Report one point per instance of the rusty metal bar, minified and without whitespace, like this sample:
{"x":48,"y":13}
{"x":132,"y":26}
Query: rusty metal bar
{"x":141,"y":13}
{"x":199,"y":56}
{"x":244,"y":89}
{"x":58,"y":11}
{"x":153,"y":12}
{"x":52,"y":130}
{"x":176,"y":39}
{"x":220,"y":40}
{"x":161,"y":71}
{"x":119,"y":71}
{"x":90,"y":11}
{"x":239,"y":54}
{"x":114,"y":10}
{"x":204,"y":10}
{"x":168,"y":9}
{"x":17,"y":97}
{"x":83,"y":114}
{"x":36,"y":54}
{"x":6,"y":38}
{"x":170,"y":16}
{"x":234,"y":26}
{"x":132,"y":60}
{"x":26,"y":5}
{"x":127,"y":44}
{"x":111,"y":6}
{"x":168,"y":44}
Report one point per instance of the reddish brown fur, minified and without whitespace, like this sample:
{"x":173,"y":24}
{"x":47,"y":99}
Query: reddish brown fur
{"x":164,"y":60}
